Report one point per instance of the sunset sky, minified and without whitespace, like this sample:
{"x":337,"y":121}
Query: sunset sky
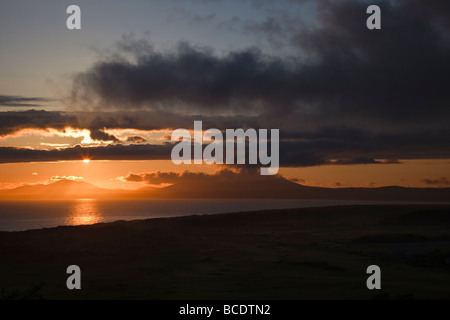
{"x":355,"y":107}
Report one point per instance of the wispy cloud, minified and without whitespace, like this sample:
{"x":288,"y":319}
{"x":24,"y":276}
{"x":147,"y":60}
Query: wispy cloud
{"x":20,"y":101}
{"x":73,"y":178}
{"x":441,"y":181}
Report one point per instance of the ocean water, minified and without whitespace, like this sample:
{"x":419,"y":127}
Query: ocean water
{"x":35,"y":214}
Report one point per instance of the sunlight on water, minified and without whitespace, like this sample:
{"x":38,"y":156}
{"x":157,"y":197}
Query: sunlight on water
{"x":26,"y":215}
{"x":84,"y":211}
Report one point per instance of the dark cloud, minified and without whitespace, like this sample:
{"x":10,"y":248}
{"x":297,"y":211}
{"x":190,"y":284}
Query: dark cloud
{"x":110,"y":152}
{"x":339,"y":146}
{"x":345,"y":95}
{"x":136,"y":139}
{"x":157,"y":120}
{"x":100,"y":135}
{"x":346,"y":148}
{"x":224,"y":176}
{"x":271,"y":28}
{"x":12,"y":121}
{"x":188,"y":79}
{"x":276,"y":29}
{"x":442,"y":181}
{"x":19,"y":101}
{"x":396,"y":75}
{"x":134,"y":178}
{"x":300,"y":146}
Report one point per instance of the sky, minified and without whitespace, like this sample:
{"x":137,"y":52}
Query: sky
{"x":355,"y":107}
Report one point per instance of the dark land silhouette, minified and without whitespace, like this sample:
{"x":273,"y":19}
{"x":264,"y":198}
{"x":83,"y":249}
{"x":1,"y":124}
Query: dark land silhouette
{"x":269,"y":188}
{"x":309,"y":253}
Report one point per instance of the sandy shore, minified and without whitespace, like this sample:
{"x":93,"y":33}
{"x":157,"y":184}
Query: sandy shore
{"x":309,"y":253}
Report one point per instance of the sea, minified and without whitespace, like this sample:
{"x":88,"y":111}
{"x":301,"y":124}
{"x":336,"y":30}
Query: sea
{"x":36,"y":214}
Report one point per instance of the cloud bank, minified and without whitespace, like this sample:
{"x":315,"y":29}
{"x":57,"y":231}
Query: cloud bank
{"x":343,"y":95}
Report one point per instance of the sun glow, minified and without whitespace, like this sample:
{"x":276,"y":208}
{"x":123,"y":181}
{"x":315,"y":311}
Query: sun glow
{"x":86,"y":160}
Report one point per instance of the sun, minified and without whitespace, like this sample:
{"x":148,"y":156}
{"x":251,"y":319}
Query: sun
{"x":86,"y":160}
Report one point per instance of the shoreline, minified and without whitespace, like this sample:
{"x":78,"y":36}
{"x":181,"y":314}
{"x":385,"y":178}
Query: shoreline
{"x":106,"y":212}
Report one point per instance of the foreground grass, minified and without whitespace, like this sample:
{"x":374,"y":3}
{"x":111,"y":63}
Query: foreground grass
{"x":309,"y":253}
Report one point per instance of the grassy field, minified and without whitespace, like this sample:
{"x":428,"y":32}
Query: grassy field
{"x":309,"y":253}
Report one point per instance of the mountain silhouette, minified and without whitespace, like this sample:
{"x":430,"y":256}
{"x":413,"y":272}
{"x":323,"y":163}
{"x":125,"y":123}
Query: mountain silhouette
{"x":277,"y":188}
{"x":56,"y":190}
{"x":285,"y":189}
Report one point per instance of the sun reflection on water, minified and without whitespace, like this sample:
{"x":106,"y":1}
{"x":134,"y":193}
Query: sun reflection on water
{"x":84,"y":211}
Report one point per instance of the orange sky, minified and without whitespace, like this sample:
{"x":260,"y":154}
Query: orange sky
{"x":107,"y":174}
{"x":51,"y":138}
{"x":311,"y":83}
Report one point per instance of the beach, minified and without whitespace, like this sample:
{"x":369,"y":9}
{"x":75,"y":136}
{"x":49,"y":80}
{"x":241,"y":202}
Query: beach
{"x":305,"y":253}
